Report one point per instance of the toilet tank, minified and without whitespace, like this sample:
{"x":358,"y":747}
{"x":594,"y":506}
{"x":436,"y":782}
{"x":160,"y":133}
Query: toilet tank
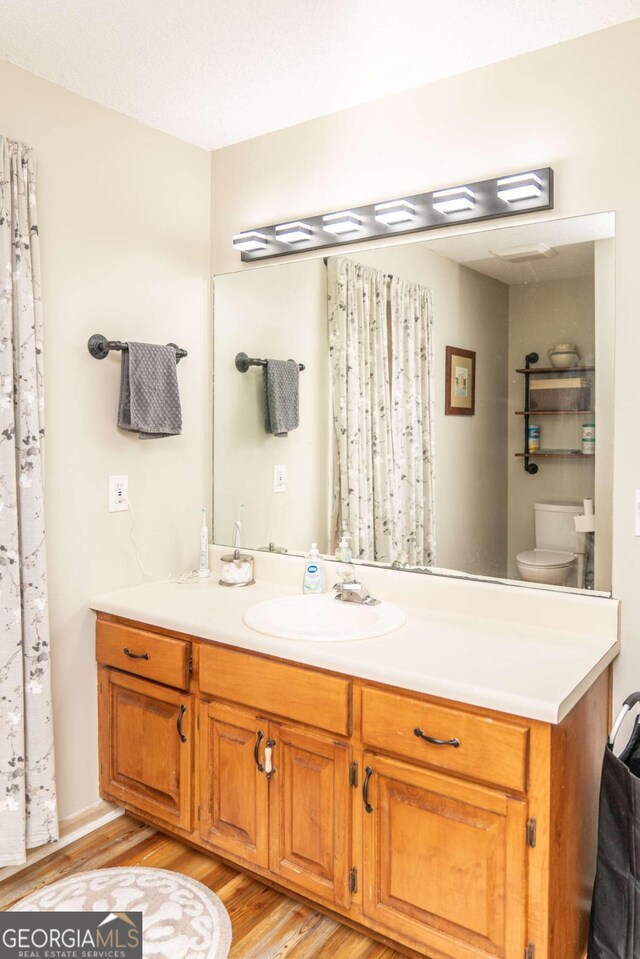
{"x":555,"y":528}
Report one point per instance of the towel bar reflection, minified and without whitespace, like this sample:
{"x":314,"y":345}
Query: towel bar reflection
{"x":243,"y":362}
{"x":99,"y":347}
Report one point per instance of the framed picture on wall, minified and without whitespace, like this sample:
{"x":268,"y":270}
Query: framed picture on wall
{"x":460,"y":382}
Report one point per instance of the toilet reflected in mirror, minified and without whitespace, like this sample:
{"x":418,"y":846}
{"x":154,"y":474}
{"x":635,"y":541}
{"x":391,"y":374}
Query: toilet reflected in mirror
{"x":559,"y":557}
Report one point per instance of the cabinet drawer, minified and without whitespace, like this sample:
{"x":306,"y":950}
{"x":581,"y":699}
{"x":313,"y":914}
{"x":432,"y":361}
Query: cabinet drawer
{"x":266,"y":686}
{"x":161,"y":658}
{"x":490,"y":750}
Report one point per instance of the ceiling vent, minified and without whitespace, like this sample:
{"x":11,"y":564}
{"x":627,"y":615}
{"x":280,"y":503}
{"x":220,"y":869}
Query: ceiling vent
{"x":522,"y":254}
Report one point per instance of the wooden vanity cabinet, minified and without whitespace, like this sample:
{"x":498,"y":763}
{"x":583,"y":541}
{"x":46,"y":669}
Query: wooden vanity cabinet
{"x":234,"y":791}
{"x":294,"y":819}
{"x":310,"y":813}
{"x":474,"y":837}
{"x":146,"y":746}
{"x":444,"y":860}
{"x":444,"y":826}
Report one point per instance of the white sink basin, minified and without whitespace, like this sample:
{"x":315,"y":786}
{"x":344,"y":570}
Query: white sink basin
{"x":322,"y":619}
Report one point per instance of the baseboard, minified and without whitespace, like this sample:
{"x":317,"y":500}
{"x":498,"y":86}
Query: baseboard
{"x":75,"y":827}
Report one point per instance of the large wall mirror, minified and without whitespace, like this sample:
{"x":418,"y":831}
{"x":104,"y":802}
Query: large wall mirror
{"x":430,"y":436}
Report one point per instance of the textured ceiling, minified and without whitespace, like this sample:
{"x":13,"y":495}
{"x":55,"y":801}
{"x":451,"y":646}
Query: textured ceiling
{"x":214,"y":72}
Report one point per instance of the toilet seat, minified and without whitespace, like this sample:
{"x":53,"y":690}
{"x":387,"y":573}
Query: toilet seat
{"x":545,"y":558}
{"x":555,"y":567}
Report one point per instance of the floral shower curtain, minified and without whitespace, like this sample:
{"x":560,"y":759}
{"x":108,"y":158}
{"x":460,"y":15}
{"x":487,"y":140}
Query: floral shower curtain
{"x":28,"y":811}
{"x":413,"y":418}
{"x":382,"y":387}
{"x":358,"y":350}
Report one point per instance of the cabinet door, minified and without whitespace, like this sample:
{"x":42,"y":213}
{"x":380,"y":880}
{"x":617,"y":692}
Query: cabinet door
{"x":444,"y":861}
{"x":234,"y":791}
{"x":310,"y":809}
{"x":146,"y":746}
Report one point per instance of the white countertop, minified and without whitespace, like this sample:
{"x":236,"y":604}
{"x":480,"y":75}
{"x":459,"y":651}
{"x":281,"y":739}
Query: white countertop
{"x":528,"y":667}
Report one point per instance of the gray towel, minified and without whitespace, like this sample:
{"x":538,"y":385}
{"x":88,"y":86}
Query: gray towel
{"x":281,"y":396}
{"x":149,"y":397}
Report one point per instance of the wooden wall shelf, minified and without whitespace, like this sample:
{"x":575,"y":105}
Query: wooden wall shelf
{"x":556,"y":369}
{"x":530,"y":370}
{"x":573,"y":456}
{"x":555,"y":412}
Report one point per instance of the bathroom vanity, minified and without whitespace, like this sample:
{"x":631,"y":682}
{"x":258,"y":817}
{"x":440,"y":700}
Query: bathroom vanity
{"x":439,"y":821}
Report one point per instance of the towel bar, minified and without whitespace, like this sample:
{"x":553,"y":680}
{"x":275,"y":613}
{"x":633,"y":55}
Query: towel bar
{"x":99,"y":347}
{"x":243,"y":362}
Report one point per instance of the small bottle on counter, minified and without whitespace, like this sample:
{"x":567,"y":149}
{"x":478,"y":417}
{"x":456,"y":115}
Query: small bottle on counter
{"x":313,"y":580}
{"x":343,"y":552}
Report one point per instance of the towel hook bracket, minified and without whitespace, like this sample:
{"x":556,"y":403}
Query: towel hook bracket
{"x":242,"y":363}
{"x":99,"y":347}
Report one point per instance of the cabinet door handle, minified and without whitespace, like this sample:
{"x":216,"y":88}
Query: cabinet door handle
{"x":256,"y":751}
{"x":436,"y":742}
{"x":269,"y":768}
{"x":365,"y":789}
{"x":183,"y":710}
{"x":131,"y":655}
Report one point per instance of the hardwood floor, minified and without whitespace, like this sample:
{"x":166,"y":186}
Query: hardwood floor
{"x":266,"y":923}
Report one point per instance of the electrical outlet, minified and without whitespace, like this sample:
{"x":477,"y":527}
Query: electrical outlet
{"x":280,"y":479}
{"x":118,"y":493}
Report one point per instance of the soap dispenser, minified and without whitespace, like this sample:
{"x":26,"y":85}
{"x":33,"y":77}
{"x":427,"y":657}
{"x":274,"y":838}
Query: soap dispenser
{"x":314,"y":580}
{"x":343,"y":552}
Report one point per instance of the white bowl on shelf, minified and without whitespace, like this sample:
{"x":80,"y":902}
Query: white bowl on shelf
{"x":564,"y":360}
{"x":564,"y":355}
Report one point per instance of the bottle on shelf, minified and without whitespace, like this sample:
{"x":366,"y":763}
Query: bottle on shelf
{"x":533,"y":438}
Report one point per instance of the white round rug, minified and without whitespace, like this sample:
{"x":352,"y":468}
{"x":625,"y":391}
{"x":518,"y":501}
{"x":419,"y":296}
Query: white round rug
{"x":182,"y":919}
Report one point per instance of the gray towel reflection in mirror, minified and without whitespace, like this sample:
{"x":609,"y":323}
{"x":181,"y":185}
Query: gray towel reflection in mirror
{"x":149,"y":398}
{"x":281,"y":396}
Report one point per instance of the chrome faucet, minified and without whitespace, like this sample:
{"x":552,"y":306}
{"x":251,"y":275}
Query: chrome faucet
{"x":351,"y":591}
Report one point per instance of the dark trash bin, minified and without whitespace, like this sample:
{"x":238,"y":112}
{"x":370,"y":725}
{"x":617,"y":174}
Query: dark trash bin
{"x":614,"y":931}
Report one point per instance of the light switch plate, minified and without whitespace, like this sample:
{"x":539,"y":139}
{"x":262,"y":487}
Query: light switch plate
{"x":637,"y":520}
{"x":118,"y":493}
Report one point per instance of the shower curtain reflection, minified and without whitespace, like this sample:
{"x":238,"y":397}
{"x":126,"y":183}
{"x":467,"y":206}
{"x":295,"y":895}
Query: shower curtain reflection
{"x":382,"y":390}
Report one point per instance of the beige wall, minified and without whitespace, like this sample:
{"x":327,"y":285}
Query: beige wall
{"x":280,"y":313}
{"x":470,"y":311}
{"x":549,"y":107}
{"x":124,"y":226}
{"x":541,"y":315}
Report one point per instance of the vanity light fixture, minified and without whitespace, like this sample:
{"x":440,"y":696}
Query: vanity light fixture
{"x":250,"y":242}
{"x":454,"y":201}
{"x":498,"y":197}
{"x":293,"y":232}
{"x":524,"y":186}
{"x":395,"y":212}
{"x":341,"y":223}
